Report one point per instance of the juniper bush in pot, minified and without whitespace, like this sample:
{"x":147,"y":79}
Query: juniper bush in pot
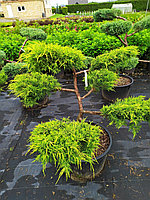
{"x":33,"y":87}
{"x":77,"y":140}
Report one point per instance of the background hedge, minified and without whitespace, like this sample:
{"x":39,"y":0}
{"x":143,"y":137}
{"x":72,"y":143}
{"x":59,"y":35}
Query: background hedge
{"x":139,"y":5}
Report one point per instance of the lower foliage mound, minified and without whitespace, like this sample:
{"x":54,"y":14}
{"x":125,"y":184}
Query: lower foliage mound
{"x":32,"y":88}
{"x":64,"y":143}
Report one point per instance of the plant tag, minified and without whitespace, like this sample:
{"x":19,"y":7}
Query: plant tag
{"x":86,"y":82}
{"x":22,"y":50}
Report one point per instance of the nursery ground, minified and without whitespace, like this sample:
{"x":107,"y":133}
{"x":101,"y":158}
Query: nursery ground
{"x":126,"y":175}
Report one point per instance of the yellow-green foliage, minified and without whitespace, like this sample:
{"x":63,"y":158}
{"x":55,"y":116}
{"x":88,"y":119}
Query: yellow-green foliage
{"x":132,"y":110}
{"x":117,"y":60}
{"x":32,"y":88}
{"x":2,"y":56}
{"x":43,"y":57}
{"x":143,"y":24}
{"x":102,"y":78}
{"x":3,"y":79}
{"x":64,"y":143}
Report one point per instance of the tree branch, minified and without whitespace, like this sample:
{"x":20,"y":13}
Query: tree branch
{"x":131,"y":34}
{"x":125,"y":39}
{"x":121,"y":40}
{"x":144,"y":61}
{"x":8,"y":60}
{"x":23,"y":46}
{"x":82,"y":72}
{"x":78,"y":95}
{"x":88,"y":93}
{"x":119,"y":17}
{"x":92,"y":112}
{"x":67,"y":90}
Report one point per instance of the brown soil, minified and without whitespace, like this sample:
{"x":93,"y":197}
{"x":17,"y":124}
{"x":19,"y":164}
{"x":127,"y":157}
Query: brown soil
{"x":104,"y":144}
{"x":123,"y":81}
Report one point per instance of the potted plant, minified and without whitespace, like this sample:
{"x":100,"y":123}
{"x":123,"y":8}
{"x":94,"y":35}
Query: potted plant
{"x":33,"y":88}
{"x":72,"y":144}
{"x":120,"y":61}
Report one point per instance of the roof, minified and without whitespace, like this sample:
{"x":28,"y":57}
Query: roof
{"x":127,"y":5}
{"x":14,"y":1}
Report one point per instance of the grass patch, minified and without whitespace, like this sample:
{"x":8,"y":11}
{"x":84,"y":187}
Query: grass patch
{"x":57,"y":16}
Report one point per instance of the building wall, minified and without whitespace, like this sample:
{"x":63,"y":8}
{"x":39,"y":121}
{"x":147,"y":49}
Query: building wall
{"x":32,"y":9}
{"x":77,"y":1}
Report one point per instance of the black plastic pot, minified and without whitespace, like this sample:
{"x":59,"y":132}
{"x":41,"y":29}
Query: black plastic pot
{"x":120,"y":92}
{"x":87,"y":174}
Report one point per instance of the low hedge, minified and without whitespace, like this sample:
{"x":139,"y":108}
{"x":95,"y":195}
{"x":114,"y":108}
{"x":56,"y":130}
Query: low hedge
{"x":93,"y":43}
{"x":11,"y":45}
{"x":139,"y":5}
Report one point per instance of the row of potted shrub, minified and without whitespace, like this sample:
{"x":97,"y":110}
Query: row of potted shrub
{"x":83,"y":139}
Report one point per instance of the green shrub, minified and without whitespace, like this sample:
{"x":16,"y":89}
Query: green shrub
{"x":64,"y":10}
{"x":106,"y":14}
{"x":33,"y":33}
{"x":102,"y":79}
{"x":5,"y":24}
{"x":139,"y":5}
{"x":53,"y":10}
{"x":128,"y":112}
{"x":32,"y":88}
{"x":3,"y":78}
{"x":12,"y":69}
{"x":133,"y":17}
{"x":116,"y":27}
{"x":142,"y":40}
{"x":11,"y":45}
{"x":2,"y":56}
{"x":65,"y":143}
{"x":51,"y":58}
{"x":18,"y":24}
{"x":143,"y":24}
{"x":92,"y":43}
{"x":117,"y":60}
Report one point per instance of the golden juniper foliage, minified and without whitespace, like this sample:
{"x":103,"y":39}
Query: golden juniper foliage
{"x":32,"y":88}
{"x":42,"y":57}
{"x":132,"y":110}
{"x":64,"y":143}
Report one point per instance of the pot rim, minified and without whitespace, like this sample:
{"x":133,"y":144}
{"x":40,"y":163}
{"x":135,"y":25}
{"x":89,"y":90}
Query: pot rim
{"x":126,"y":76}
{"x":107,"y":150}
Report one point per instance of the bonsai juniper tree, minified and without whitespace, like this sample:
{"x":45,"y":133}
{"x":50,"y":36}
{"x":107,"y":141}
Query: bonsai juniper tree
{"x":117,"y":28}
{"x":42,"y":58}
{"x":30,"y":34}
{"x":72,"y":59}
{"x":49,"y":139}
